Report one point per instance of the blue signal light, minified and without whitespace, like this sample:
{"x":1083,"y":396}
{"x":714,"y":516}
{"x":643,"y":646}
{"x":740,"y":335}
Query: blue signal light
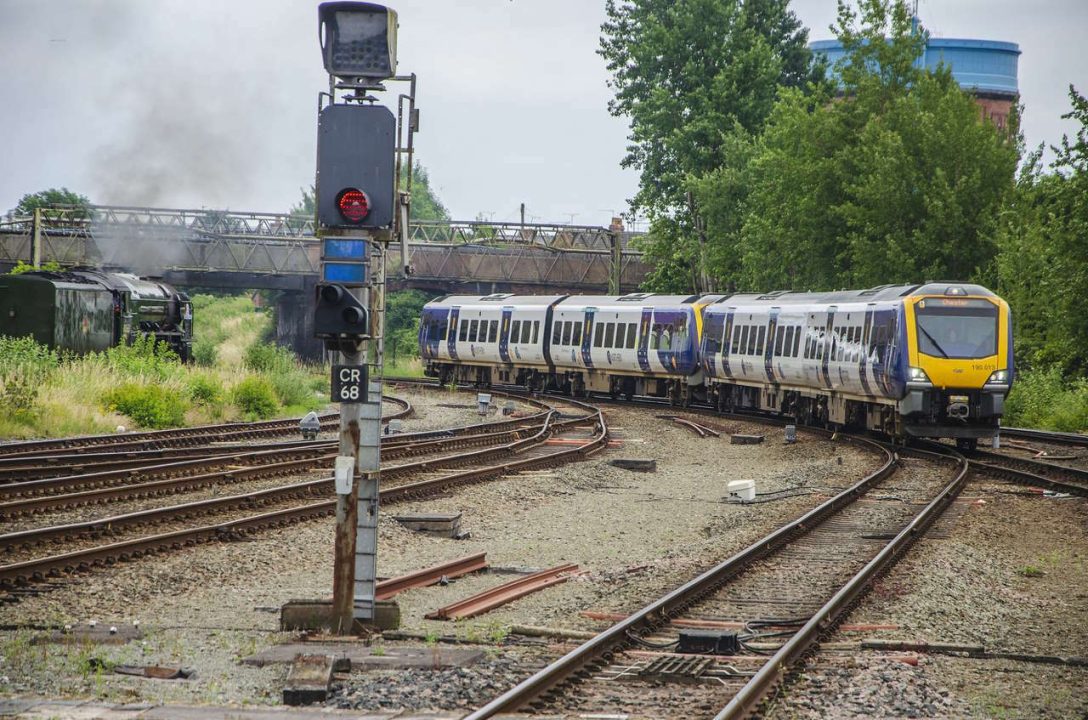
{"x":339,"y":249}
{"x":346,"y":273}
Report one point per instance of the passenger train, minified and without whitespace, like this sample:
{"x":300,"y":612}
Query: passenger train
{"x":931,"y":360}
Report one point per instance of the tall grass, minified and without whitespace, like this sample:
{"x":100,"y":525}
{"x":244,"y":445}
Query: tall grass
{"x":235,"y":377}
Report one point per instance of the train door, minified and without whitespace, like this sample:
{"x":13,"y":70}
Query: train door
{"x":829,"y":345}
{"x":587,"y":337}
{"x":644,"y":340}
{"x":768,"y":350}
{"x":504,"y":334}
{"x":727,"y":341}
{"x":863,"y":354}
{"x":451,"y":341}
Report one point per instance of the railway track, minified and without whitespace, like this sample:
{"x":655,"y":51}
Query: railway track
{"x":783,"y":593}
{"x":179,"y":437}
{"x":523,"y":445}
{"x":1047,"y":475}
{"x":1050,"y":436}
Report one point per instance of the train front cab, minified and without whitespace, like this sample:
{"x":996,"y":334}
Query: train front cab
{"x":959,"y":364}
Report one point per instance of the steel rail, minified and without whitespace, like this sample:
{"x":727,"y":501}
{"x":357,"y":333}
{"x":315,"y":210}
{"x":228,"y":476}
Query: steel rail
{"x":745,"y":702}
{"x":39,"y":569}
{"x":431,"y":575}
{"x":651,"y":617}
{"x":174,"y":485}
{"x":420,"y":443}
{"x":182,"y":436}
{"x":504,"y":593}
{"x":1053,"y":436}
{"x":1058,"y":478}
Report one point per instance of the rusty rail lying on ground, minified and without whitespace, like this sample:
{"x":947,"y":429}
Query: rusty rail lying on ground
{"x":431,"y":575}
{"x":492,"y":598}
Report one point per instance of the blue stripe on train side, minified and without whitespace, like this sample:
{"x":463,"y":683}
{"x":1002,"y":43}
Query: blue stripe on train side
{"x":768,"y":349}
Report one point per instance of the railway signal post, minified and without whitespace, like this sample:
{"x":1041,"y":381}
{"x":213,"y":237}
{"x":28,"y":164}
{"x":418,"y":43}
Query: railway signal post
{"x":358,"y":148}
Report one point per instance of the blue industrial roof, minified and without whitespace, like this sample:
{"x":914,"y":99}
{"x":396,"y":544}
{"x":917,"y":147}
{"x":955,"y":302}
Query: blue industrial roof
{"x":987,"y":66}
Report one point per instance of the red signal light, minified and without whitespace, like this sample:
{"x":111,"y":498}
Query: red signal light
{"x":353,"y":204}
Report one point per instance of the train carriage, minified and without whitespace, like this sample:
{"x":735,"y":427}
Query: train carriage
{"x":931,"y":360}
{"x":926,"y":361}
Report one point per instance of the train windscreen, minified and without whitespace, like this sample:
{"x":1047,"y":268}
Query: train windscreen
{"x":957,"y":327}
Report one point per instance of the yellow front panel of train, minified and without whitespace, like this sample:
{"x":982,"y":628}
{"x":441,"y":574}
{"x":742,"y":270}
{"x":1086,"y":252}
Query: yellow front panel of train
{"x":958,"y":341}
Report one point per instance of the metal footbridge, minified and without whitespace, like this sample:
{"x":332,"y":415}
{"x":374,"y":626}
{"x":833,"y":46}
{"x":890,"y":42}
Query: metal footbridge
{"x":219,"y":248}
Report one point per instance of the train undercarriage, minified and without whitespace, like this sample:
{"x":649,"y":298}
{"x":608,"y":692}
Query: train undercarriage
{"x":929,"y":418}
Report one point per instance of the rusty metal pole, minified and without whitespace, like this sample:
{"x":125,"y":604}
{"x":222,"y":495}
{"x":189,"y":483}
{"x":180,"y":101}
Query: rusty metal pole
{"x":36,"y":239}
{"x":343,"y":579}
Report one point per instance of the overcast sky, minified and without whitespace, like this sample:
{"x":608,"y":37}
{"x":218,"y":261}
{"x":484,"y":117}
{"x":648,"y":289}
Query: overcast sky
{"x":207,"y":103}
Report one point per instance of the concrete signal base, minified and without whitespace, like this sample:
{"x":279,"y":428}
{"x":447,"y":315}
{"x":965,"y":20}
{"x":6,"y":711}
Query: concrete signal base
{"x":317,"y":616}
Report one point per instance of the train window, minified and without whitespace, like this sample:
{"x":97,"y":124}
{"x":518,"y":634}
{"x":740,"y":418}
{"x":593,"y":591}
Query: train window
{"x":820,"y":341}
{"x":443,"y":328}
{"x":762,"y":337}
{"x":744,"y":340}
{"x":736,"y":340}
{"x":598,"y":335}
{"x":526,"y":332}
{"x":788,"y":341}
{"x":515,"y":331}
{"x":609,"y":334}
{"x":780,"y":336}
{"x":796,"y":341}
{"x":474,"y":331}
{"x":576,"y":336}
{"x":621,"y":331}
{"x":562,"y":334}
{"x":462,"y":335}
{"x":655,"y":336}
{"x":536,"y":331}
{"x":632,"y":330}
{"x":557,"y":332}
{"x":493,"y":331}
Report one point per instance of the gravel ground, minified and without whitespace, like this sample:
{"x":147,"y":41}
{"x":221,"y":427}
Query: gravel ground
{"x":635,"y":534}
{"x":1010,"y":574}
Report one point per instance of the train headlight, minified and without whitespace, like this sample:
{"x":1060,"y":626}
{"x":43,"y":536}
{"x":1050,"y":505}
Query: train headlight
{"x":918,"y":375}
{"x":999,"y":377}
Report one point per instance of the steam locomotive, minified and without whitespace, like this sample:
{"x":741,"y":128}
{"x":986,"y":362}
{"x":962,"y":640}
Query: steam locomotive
{"x":89,"y":310}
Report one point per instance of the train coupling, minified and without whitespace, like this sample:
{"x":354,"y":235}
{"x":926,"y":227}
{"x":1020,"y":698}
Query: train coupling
{"x":958,"y":406}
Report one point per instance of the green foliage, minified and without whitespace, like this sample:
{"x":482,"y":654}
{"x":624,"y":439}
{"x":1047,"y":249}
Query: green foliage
{"x":204,"y":352}
{"x":897,"y":181}
{"x":24,"y":367}
{"x":144,"y":357}
{"x":205,"y":389}
{"x":49,"y":201}
{"x":48,"y":266}
{"x":152,"y":406}
{"x":692,"y":75}
{"x":268,"y":358}
{"x":402,"y":311}
{"x":425,"y":203}
{"x":256,"y":397}
{"x":1042,"y":398}
{"x":1042,"y":269}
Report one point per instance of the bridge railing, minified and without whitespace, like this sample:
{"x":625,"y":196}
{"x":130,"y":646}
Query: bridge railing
{"x":153,"y":240}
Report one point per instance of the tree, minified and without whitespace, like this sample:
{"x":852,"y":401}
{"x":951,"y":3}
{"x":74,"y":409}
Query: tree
{"x":896,"y":181}
{"x":51,"y":200}
{"x":1042,"y":267}
{"x":690,"y":75}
